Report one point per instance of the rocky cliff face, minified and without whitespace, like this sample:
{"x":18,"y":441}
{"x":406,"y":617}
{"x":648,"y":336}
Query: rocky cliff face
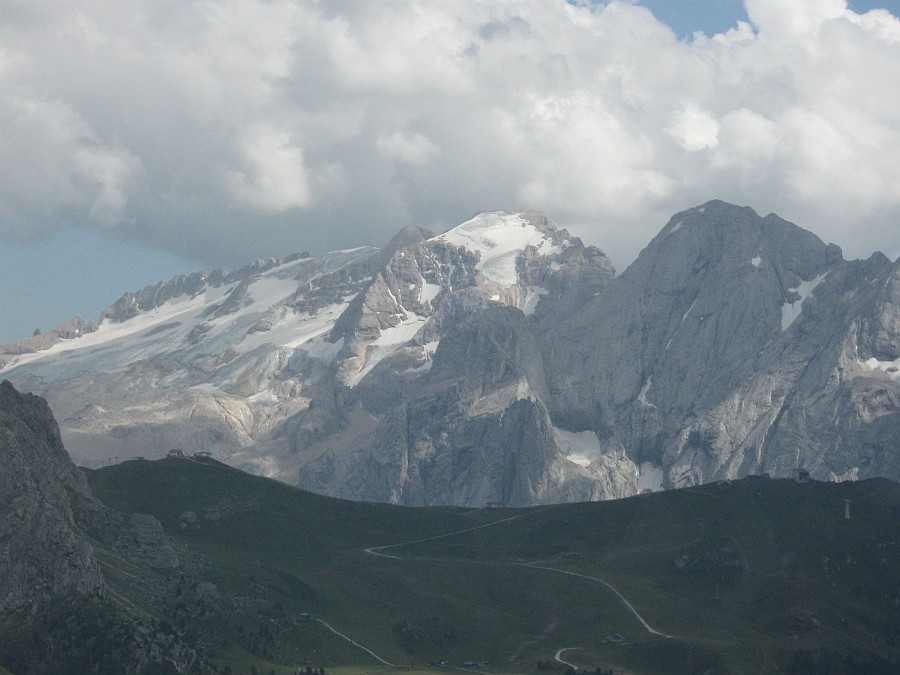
{"x":734,"y":345}
{"x":471,"y":429}
{"x":43,"y":556}
{"x":440,"y":353}
{"x":503,"y":362}
{"x":53,"y":535}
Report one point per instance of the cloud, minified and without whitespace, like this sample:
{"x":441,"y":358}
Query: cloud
{"x":410,"y":147}
{"x":275,"y":178}
{"x":195,"y":126}
{"x":56,"y":168}
{"x":695,"y":129}
{"x":793,"y":19}
{"x":608,"y":163}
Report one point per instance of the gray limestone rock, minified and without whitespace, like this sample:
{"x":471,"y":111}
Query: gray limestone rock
{"x":473,"y":430}
{"x":50,"y":521}
{"x":734,"y":345}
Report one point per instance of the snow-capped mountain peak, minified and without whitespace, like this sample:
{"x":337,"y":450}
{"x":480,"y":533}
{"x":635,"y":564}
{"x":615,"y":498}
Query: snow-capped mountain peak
{"x":500,"y":238}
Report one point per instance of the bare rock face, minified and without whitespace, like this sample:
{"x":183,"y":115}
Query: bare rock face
{"x":53,"y":532}
{"x":883,"y":325}
{"x":472,"y":430}
{"x":42,"y":556}
{"x":440,"y":351}
{"x":736,"y":345}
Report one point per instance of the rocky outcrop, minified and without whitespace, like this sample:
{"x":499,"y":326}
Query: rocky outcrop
{"x":733,"y":345}
{"x":473,"y":430}
{"x":440,"y":350}
{"x":43,"y":555}
{"x":53,"y":535}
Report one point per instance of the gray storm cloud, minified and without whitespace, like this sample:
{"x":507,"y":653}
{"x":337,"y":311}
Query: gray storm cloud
{"x":228,"y":130}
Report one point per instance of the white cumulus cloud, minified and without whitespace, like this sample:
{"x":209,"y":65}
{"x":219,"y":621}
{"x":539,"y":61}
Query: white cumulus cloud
{"x":194,"y":125}
{"x":274,"y":178}
{"x":695,"y":129}
{"x":55,"y":168}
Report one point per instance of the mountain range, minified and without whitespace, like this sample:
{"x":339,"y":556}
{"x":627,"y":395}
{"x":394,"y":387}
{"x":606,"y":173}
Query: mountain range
{"x":502,"y":362}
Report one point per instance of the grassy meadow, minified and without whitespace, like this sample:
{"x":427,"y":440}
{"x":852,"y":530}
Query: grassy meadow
{"x":756,"y":575}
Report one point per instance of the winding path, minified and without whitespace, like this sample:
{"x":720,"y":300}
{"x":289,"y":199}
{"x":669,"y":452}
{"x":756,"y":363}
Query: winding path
{"x":379,"y":551}
{"x":559,"y":659}
{"x":355,"y":643}
{"x":650,"y":629}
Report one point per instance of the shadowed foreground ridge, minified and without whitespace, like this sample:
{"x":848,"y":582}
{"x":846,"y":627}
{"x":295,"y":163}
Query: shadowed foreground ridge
{"x":65,"y":560}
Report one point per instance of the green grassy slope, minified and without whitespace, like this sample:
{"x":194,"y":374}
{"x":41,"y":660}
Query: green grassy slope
{"x":752,"y":576}
{"x":753,"y":571}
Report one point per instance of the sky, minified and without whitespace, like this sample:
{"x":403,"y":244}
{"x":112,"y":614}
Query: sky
{"x":140,"y":139}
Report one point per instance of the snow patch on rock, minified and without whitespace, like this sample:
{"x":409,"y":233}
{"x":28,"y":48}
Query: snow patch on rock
{"x":580,"y":447}
{"x":389,"y":341}
{"x":890,"y":368}
{"x":650,"y":477}
{"x":532,"y":298}
{"x":642,"y":396}
{"x":791,"y":310}
{"x":501,"y":399}
{"x":429,"y":292}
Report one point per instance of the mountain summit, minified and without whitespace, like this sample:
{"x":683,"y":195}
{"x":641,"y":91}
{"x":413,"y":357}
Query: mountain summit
{"x":501,"y":362}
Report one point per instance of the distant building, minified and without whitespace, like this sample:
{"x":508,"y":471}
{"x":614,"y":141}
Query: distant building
{"x":203,"y":453}
{"x":175,"y":452}
{"x":802,"y":475}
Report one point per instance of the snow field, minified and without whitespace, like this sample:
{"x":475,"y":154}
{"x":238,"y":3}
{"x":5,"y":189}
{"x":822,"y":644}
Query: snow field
{"x":499,"y":238}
